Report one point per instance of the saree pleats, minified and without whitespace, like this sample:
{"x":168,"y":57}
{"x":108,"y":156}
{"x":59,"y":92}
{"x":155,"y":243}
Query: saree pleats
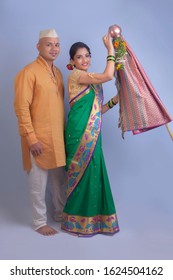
{"x":90,"y":207}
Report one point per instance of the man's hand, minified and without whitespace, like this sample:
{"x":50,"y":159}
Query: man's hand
{"x":36,"y":149}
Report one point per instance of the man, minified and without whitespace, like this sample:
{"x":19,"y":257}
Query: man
{"x":39,"y":107}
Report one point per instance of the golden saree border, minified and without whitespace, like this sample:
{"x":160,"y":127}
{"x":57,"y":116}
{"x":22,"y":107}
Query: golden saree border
{"x":80,"y":225}
{"x":86,"y":147}
{"x":80,"y":95}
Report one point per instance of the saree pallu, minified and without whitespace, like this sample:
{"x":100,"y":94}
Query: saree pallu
{"x":140,"y":106}
{"x":90,"y":207}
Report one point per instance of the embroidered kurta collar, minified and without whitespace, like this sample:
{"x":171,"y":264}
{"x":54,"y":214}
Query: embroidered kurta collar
{"x":44,"y":64}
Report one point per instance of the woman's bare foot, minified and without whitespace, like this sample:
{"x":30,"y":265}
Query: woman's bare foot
{"x":46,"y":230}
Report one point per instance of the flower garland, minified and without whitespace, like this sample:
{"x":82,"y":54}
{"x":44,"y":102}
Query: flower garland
{"x":120,"y":51}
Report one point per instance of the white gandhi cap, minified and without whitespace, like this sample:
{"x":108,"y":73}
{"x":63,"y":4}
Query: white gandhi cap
{"x":49,"y":33}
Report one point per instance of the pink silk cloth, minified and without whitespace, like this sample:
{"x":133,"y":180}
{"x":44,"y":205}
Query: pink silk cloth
{"x":140,"y":106}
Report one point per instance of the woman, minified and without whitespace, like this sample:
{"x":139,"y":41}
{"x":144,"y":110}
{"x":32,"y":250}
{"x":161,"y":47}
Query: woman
{"x":90,"y":208}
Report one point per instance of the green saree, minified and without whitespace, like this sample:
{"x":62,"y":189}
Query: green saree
{"x":90,"y":207}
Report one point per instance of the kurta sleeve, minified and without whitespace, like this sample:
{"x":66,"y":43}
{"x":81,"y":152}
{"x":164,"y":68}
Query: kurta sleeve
{"x":24,"y":89}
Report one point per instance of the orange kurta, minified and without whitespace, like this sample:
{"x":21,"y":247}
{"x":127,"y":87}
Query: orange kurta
{"x":39,"y":107}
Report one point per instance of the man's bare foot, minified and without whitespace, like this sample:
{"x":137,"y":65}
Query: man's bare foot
{"x":46,"y":230}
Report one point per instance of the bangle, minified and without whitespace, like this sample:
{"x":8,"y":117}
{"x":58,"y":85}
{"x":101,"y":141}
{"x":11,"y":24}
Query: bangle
{"x":111,"y":56}
{"x":110,"y":59}
{"x":109,"y":104}
{"x":112,"y":99}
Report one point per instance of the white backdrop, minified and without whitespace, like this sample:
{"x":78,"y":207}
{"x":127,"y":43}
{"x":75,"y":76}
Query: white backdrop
{"x":139,"y":167}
